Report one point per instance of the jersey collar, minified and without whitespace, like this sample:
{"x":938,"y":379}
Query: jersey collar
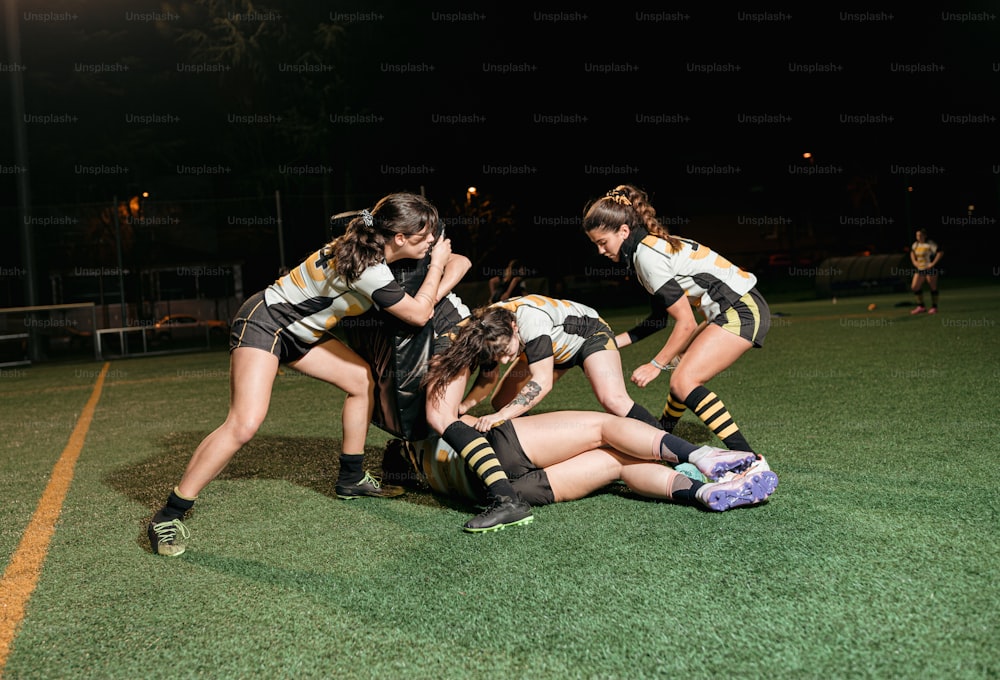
{"x":629,"y":245}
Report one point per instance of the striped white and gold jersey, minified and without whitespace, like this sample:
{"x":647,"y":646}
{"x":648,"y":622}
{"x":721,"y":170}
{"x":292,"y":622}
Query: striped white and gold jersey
{"x":695,"y":270}
{"x":313,"y":297}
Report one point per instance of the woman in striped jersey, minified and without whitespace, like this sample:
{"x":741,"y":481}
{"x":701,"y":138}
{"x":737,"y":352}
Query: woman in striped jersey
{"x":547,"y":337}
{"x":673,"y":270}
{"x":292,"y":320}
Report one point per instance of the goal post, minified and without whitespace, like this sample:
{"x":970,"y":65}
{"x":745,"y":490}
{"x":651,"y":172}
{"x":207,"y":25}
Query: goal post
{"x":44,"y":331}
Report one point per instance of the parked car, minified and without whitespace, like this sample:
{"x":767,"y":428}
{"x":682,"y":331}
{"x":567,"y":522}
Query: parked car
{"x":187,"y":327}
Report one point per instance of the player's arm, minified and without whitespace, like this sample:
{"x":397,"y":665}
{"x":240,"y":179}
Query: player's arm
{"x":684,"y":328}
{"x":418,"y":309}
{"x":443,"y":410}
{"x":486,"y":381}
{"x":454,"y":271}
{"x":539,"y":384}
{"x":656,"y":321}
{"x":937,"y":258}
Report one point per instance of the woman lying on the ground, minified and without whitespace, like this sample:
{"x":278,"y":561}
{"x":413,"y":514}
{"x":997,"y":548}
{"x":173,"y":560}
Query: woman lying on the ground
{"x":567,"y":455}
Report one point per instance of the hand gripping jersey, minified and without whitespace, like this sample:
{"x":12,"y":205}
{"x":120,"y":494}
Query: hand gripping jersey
{"x":924,"y":253}
{"x":551,"y":327}
{"x":313,"y":297}
{"x":695,"y":270}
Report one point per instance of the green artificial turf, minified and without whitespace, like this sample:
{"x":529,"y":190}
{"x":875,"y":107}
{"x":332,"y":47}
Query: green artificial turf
{"x":877,"y":557}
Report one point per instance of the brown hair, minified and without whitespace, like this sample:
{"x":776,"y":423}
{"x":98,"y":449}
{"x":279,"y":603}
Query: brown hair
{"x":363,"y":243}
{"x":625,"y":204}
{"x":480,"y":339}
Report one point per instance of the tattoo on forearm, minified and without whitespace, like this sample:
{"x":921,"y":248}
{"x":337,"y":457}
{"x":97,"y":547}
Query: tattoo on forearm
{"x":527,"y":394}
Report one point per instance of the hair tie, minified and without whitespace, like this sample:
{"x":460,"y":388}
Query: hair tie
{"x":619,"y":197}
{"x":367,"y":217}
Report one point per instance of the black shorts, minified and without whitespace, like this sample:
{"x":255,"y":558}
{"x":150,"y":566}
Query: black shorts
{"x":529,"y":481}
{"x":749,"y":318}
{"x":600,"y":338}
{"x":253,"y":326}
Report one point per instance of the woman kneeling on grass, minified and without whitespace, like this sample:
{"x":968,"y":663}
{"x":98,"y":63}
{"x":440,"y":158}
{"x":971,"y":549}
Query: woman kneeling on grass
{"x":291,"y":322}
{"x":566,"y":455}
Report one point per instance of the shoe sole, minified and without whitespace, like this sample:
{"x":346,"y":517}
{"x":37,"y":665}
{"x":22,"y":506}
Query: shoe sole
{"x":754,"y":489}
{"x":723,"y":467}
{"x":170,"y":554}
{"x":500,"y":527}
{"x":345,"y":497}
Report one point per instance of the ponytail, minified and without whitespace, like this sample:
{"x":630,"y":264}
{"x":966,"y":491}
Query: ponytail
{"x":626,"y":204}
{"x":363,"y":242}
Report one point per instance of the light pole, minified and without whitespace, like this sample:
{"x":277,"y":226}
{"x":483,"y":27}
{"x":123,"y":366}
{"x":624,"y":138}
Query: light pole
{"x":118,"y":248}
{"x":21,"y":156}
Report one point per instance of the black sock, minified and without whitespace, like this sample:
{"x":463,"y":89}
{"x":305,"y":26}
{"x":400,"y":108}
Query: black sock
{"x":672,"y":447}
{"x":707,"y":406}
{"x":477,"y":453}
{"x":687,"y":494}
{"x":175,"y":508}
{"x":641,"y":414}
{"x":351,"y":468}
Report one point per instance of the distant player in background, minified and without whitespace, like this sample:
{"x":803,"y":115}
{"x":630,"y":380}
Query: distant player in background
{"x":511,"y":284}
{"x":925,"y":255}
{"x":624,"y":227}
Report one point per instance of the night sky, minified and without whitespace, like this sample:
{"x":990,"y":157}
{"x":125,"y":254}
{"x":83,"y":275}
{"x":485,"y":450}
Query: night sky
{"x":710,"y":110}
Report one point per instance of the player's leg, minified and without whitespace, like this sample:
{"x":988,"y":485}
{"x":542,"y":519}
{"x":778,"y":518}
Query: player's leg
{"x":712,"y":352}
{"x":604,"y":371}
{"x":673,"y":409}
{"x":550,"y":438}
{"x":505,"y":507}
{"x":334,"y":362}
{"x":591,"y":470}
{"x":252,"y":373}
{"x":917,"y":286}
{"x":932,"y":283}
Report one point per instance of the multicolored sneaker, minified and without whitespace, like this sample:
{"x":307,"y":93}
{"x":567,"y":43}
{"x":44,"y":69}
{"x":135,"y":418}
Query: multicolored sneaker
{"x":163,"y":537}
{"x":932,"y":310}
{"x":715,"y":463}
{"x":502,"y":513}
{"x":749,"y":488}
{"x":919,"y":309}
{"x":368,"y":486}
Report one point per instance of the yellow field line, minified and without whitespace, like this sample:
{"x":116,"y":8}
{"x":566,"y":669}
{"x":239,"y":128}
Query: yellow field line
{"x":21,"y":576}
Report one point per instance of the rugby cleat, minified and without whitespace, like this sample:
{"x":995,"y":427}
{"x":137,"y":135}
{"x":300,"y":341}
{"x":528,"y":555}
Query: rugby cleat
{"x":368,"y":486}
{"x":716,"y":463}
{"x":502,"y":513}
{"x":749,"y":488}
{"x":163,"y":537}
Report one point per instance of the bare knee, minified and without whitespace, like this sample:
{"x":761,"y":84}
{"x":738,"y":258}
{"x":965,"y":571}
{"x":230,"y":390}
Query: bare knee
{"x":359,"y":383}
{"x":618,"y":404}
{"x":682,"y":384}
{"x":243,"y":428}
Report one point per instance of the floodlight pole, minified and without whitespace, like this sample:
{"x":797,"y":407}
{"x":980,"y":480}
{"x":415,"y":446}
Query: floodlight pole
{"x":118,"y":247}
{"x":21,"y":165}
